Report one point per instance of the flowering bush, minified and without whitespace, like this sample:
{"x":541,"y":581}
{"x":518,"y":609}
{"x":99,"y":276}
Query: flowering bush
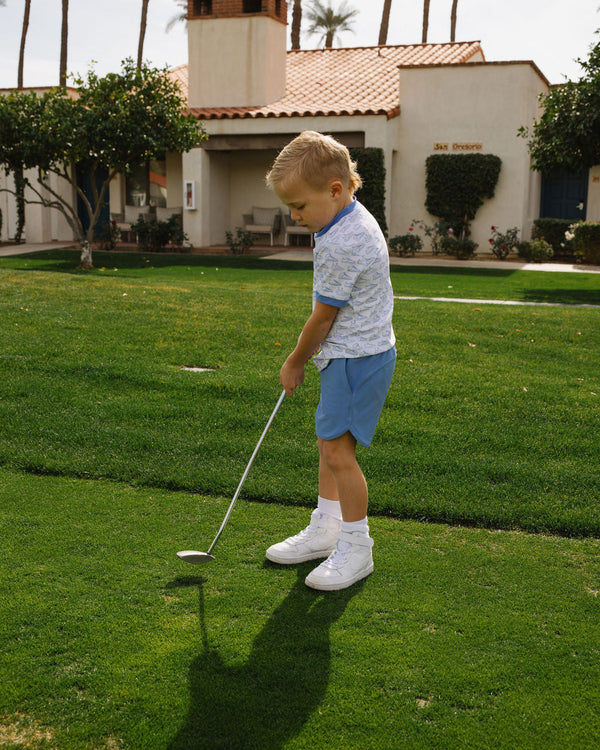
{"x":503,"y":243}
{"x":406,"y":244}
{"x":438,"y":234}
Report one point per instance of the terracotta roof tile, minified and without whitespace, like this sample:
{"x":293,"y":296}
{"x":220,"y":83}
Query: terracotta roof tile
{"x":343,"y":81}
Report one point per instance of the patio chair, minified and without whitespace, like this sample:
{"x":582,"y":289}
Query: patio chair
{"x":131,"y":215}
{"x":263,"y":221}
{"x":290,"y":227}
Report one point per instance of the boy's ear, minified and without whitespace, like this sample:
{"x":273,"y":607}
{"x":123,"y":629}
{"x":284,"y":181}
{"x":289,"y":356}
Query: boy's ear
{"x":336,"y":188}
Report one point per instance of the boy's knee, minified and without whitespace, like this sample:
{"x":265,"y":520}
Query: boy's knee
{"x":338,"y":453}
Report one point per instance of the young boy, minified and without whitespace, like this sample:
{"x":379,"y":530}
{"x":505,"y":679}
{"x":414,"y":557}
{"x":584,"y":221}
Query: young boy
{"x":350,"y":335}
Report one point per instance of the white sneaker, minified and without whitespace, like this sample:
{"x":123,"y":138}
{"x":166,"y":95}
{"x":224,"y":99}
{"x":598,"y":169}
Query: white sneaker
{"x":351,"y":561}
{"x":318,"y":539}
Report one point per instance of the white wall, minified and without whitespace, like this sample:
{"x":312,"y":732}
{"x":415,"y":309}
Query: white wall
{"x":470,"y":104}
{"x":593,"y":201}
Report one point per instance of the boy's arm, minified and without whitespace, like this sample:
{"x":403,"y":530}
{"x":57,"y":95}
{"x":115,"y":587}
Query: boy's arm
{"x":315,"y":330}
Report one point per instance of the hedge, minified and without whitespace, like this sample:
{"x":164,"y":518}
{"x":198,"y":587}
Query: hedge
{"x":371,"y":167}
{"x":457,"y":185}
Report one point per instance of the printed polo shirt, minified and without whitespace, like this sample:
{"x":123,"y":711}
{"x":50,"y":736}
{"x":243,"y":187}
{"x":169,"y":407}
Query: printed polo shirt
{"x":351,"y":272}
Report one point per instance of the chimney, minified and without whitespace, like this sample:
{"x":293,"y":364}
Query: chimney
{"x":236,"y":52}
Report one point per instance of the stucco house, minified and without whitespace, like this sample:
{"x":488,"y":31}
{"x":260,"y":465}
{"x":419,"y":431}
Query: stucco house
{"x":253,"y":96}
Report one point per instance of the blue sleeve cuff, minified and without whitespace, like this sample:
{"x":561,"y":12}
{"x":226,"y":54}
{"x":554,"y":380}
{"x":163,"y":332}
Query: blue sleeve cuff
{"x":331,"y":301}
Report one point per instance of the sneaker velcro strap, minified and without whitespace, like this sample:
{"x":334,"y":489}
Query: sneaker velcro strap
{"x":363,"y":541}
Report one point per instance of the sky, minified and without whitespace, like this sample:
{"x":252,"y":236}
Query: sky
{"x":552,"y":33}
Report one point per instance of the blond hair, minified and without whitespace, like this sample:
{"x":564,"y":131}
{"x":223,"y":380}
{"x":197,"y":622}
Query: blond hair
{"x":316,"y":159}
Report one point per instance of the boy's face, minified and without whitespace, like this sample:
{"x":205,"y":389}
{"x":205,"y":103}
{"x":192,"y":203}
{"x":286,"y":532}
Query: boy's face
{"x":311,"y":207}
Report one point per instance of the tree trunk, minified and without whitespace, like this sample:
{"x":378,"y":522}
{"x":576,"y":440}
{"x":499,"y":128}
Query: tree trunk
{"x":86,"y":256}
{"x":329,"y":40}
{"x":425,"y":20}
{"x":296,"y":23}
{"x":22,"y":50}
{"x":64,"y":33}
{"x":385,"y":21}
{"x":453,"y":21}
{"x":142,"y":32}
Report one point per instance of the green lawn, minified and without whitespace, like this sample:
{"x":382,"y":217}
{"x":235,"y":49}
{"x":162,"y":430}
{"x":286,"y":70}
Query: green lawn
{"x":471,"y":633}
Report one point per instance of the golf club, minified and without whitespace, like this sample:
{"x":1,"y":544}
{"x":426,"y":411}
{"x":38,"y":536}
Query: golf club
{"x":198,"y":558}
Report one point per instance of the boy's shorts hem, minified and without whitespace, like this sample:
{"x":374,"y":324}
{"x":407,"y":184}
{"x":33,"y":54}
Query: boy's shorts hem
{"x":353,"y":392}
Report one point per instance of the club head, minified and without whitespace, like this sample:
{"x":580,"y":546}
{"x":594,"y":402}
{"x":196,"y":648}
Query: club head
{"x":193,"y":557}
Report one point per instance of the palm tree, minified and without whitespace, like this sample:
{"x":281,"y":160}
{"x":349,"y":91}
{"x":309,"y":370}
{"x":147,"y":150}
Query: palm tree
{"x":296,"y":23}
{"x":453,"y":21}
{"x":23,"y":38}
{"x":425,"y":20}
{"x":385,"y":21}
{"x":328,"y":22}
{"x":64,"y":33}
{"x":180,"y":17}
{"x":142,"y":32}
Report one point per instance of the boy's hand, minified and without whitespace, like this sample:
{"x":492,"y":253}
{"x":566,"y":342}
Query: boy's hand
{"x":314,"y":332}
{"x":291,"y":375}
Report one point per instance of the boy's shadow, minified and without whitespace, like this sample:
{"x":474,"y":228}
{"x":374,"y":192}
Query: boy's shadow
{"x":266,"y":701}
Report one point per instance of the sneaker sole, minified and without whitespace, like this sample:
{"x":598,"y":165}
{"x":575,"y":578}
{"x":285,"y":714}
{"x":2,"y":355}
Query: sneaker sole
{"x":338,"y":585}
{"x":276,"y":558}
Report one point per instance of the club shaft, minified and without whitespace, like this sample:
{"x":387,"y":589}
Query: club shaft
{"x":245,"y":474}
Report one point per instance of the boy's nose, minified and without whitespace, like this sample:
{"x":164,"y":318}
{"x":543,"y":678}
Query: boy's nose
{"x":294,"y":214}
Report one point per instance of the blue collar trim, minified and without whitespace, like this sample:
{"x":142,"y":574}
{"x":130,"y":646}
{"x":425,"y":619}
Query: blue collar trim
{"x":344,"y":212}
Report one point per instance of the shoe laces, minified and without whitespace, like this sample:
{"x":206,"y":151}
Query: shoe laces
{"x":339,"y":555}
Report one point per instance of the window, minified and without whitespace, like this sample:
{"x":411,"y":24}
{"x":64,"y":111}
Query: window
{"x":202,"y":7}
{"x":252,"y":6}
{"x":147,"y":185}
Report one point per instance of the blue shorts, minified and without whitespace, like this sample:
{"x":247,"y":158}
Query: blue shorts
{"x":352,"y":395}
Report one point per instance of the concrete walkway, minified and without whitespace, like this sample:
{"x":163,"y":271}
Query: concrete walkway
{"x":426,"y":261}
{"x":437,"y":262}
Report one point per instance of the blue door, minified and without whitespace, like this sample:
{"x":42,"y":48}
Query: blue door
{"x":564,"y":196}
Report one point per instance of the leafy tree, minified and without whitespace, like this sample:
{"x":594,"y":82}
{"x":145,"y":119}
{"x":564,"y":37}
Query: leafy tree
{"x":113,"y":124}
{"x":329,"y":22}
{"x":385,"y":21}
{"x":180,"y":17}
{"x":567,"y":135}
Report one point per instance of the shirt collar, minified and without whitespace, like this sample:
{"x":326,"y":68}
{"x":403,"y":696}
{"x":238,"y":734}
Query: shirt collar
{"x":344,"y":212}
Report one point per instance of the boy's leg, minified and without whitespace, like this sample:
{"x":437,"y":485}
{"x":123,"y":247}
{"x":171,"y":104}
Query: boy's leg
{"x":340,"y":473}
{"x":352,"y":559}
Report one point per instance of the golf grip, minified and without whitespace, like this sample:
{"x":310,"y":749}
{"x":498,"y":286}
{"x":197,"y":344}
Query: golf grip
{"x":245,"y":474}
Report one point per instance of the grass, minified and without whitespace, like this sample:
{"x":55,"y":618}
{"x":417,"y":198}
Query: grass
{"x":112,"y":458}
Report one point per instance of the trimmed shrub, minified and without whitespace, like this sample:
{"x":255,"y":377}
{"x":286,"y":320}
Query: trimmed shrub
{"x":535,"y":251}
{"x":156,"y":236}
{"x":586,"y":242}
{"x":553,"y":231}
{"x":371,"y":167}
{"x":405,"y":244}
{"x":457,"y":185}
{"x":462,"y":249}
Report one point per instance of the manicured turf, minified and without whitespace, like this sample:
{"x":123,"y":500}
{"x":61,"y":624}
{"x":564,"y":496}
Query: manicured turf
{"x":112,"y":458}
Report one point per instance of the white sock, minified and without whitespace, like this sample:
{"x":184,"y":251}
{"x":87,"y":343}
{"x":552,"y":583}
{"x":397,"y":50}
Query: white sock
{"x":330,"y":508}
{"x":362,"y":527}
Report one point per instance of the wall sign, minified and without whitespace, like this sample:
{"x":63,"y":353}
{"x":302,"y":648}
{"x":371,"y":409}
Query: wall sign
{"x":458,"y":147}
